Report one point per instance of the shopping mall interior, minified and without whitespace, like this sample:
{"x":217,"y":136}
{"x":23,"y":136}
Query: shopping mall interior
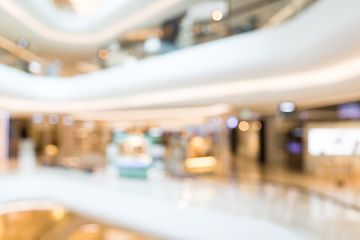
{"x":179,"y":119}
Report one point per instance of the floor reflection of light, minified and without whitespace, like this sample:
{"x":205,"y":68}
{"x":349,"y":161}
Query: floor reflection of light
{"x":58,"y":213}
{"x":182,"y":204}
{"x":186,"y":194}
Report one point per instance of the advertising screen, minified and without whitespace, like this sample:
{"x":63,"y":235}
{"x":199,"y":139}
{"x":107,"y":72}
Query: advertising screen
{"x":334,"y":141}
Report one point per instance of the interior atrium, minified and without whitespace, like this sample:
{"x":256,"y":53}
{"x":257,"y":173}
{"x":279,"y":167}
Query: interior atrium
{"x":179,"y":119}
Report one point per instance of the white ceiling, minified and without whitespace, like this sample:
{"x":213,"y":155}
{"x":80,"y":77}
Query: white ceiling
{"x":311,"y":60}
{"x":53,"y":31}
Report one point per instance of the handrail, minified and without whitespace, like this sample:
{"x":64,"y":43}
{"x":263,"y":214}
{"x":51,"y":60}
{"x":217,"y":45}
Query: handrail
{"x":300,"y":209}
{"x":134,"y":205}
{"x":264,"y":180}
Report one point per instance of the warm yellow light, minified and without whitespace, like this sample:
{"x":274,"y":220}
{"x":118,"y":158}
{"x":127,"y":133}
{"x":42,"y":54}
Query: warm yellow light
{"x":256,"y":125}
{"x":2,"y":228}
{"x":217,"y":15}
{"x":200,"y":162}
{"x":104,"y":54}
{"x":58,"y":213}
{"x":136,"y":141}
{"x":244,"y":126}
{"x":51,"y":150}
{"x":90,"y":228}
{"x":197,"y":142}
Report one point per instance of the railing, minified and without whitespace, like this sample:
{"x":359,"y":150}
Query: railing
{"x":250,"y":17}
{"x":309,"y":214}
{"x":186,"y":31}
{"x":306,"y":213}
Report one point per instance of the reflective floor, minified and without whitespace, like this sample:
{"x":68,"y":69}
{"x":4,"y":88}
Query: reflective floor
{"x":59,"y":224}
{"x":304,"y":204}
{"x":344,"y":189}
{"x":305,"y":213}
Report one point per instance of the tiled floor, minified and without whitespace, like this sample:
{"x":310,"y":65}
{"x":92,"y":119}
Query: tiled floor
{"x":345,"y":189}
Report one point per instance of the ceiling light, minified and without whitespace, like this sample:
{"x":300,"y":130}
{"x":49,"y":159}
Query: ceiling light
{"x":232,"y":122}
{"x":217,"y":15}
{"x":53,"y":119}
{"x":104,"y":54}
{"x":35,"y":67}
{"x":22,"y":43}
{"x":68,"y":121}
{"x":152,"y":45}
{"x":287,"y":107}
{"x":37,"y":118}
{"x":244,"y":126}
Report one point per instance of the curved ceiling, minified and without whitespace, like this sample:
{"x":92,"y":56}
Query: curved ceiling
{"x":60,"y":32}
{"x":313,"y":56}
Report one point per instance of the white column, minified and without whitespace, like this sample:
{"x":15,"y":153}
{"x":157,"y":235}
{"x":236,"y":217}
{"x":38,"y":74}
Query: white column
{"x":4,"y":140}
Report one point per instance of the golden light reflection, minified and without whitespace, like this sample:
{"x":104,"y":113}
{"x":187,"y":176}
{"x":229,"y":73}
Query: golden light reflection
{"x":90,"y":228}
{"x":197,"y":142}
{"x":51,"y":150}
{"x":200,"y":162}
{"x":244,"y":126}
{"x":256,"y":125}
{"x":58,"y":213}
{"x":104,"y":54}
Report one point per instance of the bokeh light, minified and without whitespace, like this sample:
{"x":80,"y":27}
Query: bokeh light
{"x":54,"y":119}
{"x":304,"y":115}
{"x":104,"y":54}
{"x":155,"y":132}
{"x":197,"y":142}
{"x":22,"y":43}
{"x":186,"y":194}
{"x":51,"y":150}
{"x":94,"y":138}
{"x":217,"y":15}
{"x":256,"y":125}
{"x":216,"y":120}
{"x":68,"y":120}
{"x":287,"y":107}
{"x":232,"y":122}
{"x":58,"y":213}
{"x":246,"y":114}
{"x":35,"y":67}
{"x":37,"y":118}
{"x":182,"y":204}
{"x":152,"y":45}
{"x":244,"y":126}
{"x":88,"y":123}
{"x":254,"y":116}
